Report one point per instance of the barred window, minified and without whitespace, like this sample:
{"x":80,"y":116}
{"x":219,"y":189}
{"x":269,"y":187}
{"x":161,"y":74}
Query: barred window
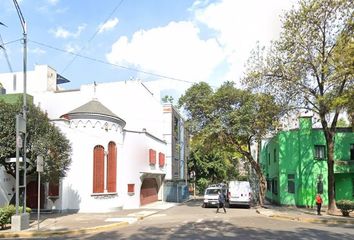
{"x":291,"y":183}
{"x":319,"y":152}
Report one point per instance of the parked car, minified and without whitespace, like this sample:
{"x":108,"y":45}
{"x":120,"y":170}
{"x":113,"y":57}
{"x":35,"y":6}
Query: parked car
{"x":211,"y":195}
{"x":239,"y":193}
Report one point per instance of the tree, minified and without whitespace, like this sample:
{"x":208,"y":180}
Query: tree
{"x":167,"y":99}
{"x":311,"y":66}
{"x":231,"y":117}
{"x":43,"y":138}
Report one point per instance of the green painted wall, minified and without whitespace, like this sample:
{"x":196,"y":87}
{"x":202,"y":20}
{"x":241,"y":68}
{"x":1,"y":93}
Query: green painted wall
{"x":15,"y":97}
{"x":294,"y":154}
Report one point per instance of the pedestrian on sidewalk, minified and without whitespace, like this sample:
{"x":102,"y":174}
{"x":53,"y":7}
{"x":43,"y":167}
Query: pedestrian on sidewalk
{"x":221,"y":200}
{"x":318,"y":203}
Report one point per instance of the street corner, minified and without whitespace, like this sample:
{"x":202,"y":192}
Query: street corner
{"x":51,"y":233}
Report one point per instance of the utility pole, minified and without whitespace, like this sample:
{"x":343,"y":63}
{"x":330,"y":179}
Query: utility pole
{"x":21,"y":221}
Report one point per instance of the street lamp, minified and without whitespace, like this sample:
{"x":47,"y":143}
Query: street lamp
{"x":21,"y":221}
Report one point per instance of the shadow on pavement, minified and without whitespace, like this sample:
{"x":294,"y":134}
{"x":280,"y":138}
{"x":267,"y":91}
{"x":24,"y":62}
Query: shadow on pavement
{"x":219,"y":230}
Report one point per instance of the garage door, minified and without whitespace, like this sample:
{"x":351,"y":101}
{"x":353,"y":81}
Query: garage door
{"x":148,"y":191}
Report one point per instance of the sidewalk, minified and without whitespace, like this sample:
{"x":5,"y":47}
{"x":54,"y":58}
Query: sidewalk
{"x":304,"y":215}
{"x":51,"y":224}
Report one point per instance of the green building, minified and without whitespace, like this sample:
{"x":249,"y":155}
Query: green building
{"x":295,"y":165}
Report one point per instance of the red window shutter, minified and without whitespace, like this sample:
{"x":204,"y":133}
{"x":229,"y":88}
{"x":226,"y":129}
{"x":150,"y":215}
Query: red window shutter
{"x":112,"y":167}
{"x":152,"y":157}
{"x":53,"y":189}
{"x":98,"y":169}
{"x":161,"y":159}
{"x":131,"y":187}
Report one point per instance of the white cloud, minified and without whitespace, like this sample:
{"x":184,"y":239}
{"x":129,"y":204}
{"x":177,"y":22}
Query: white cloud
{"x":174,"y":50}
{"x":37,"y":51}
{"x":61,"y":32}
{"x":110,"y":24}
{"x":53,"y":2}
{"x":72,"y":48}
{"x":240,"y":24}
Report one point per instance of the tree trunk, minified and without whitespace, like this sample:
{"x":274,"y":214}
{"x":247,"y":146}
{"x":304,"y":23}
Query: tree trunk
{"x":257,"y":168}
{"x":330,"y":165}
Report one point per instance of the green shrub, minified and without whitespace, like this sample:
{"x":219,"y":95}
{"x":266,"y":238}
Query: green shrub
{"x":345,"y":206}
{"x":7,"y":212}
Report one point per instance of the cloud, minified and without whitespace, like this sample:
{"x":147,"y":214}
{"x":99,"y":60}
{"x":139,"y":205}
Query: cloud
{"x":240,"y":24}
{"x":37,"y":51}
{"x":110,"y":24}
{"x":61,"y":32}
{"x":53,"y":2}
{"x":72,"y":48}
{"x":175,"y":50}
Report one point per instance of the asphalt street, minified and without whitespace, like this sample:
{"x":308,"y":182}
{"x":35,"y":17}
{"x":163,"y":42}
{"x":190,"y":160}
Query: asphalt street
{"x":191,"y":221}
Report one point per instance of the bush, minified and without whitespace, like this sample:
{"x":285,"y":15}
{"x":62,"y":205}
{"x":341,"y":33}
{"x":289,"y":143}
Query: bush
{"x":345,"y":206}
{"x":7,"y":212}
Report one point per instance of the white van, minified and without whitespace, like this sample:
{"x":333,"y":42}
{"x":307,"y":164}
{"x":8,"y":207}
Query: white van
{"x":239,"y":193}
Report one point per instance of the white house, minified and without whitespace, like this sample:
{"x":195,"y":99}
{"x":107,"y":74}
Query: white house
{"x":119,"y":136}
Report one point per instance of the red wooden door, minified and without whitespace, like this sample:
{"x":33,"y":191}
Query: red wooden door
{"x":148,"y":191}
{"x":32,"y":195}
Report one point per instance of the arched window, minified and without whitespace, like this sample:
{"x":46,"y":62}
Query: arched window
{"x":98,"y":169}
{"x":112,"y":167}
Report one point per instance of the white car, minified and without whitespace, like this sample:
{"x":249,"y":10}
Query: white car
{"x":211,"y":197}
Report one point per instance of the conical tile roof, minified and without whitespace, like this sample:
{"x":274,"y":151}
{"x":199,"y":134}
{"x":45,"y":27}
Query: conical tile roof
{"x":93,"y":109}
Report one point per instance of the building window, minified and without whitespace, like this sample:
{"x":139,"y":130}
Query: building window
{"x":269,"y":185}
{"x":275,"y":186}
{"x":105,"y":169}
{"x":152,"y":157}
{"x":275,"y":155}
{"x":112,"y":167}
{"x":351,"y":151}
{"x":98,"y":169}
{"x":161,"y":159}
{"x":53,"y":190}
{"x":319,"y":152}
{"x":291,"y":183}
{"x":131,"y":187}
{"x":268,"y":158}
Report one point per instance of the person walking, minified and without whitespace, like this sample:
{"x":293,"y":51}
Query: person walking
{"x":318,"y":203}
{"x":221,"y":200}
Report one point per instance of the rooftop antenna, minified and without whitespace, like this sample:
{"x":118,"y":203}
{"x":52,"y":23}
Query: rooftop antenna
{"x":94,"y":89}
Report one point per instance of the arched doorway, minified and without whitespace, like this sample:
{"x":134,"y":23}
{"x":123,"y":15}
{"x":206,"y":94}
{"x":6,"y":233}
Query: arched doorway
{"x":148,"y":191}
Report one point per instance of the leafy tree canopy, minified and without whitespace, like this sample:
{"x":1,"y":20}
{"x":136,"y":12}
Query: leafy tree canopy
{"x":311,"y":66}
{"x":224,"y":123}
{"x":43,"y":138}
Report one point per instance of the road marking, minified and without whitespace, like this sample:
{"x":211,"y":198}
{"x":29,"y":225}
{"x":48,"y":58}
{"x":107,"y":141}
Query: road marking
{"x":122,"y":219}
{"x":158,"y":215}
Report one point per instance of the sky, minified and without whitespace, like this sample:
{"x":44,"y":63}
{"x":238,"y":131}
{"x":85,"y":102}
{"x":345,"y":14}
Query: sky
{"x":167,"y":44}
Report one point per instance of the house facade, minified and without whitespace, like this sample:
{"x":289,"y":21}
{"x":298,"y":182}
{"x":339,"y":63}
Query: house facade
{"x":119,"y":138}
{"x":295,"y":165}
{"x":176,"y":135}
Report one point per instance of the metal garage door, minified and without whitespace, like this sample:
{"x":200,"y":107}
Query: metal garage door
{"x":148,"y":192}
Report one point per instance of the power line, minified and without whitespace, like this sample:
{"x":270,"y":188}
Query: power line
{"x":93,"y":36}
{"x":5,"y":53}
{"x":112,"y":64}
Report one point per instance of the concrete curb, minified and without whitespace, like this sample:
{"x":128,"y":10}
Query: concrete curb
{"x":47,"y":233}
{"x":61,"y":232}
{"x":307,"y":220}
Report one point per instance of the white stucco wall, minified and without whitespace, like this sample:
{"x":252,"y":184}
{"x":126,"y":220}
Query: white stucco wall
{"x":129,"y":100}
{"x":7,"y":187}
